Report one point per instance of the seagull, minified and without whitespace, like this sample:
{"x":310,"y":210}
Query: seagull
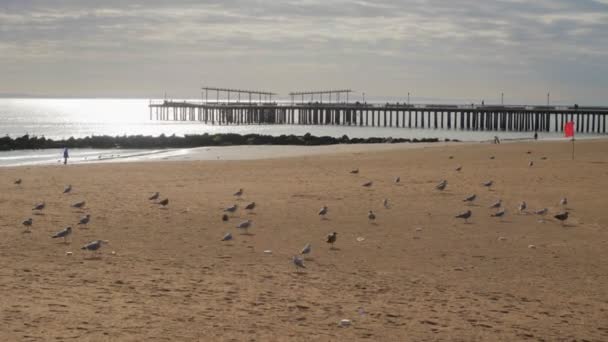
{"x":250,"y":206}
{"x":227,"y":237}
{"x":531,"y":163}
{"x":491,"y":157}
{"x":371,"y":216}
{"x":441,"y":186}
{"x":398,"y":179}
{"x":470,"y":198}
{"x":522,"y":206}
{"x":164,"y":202}
{"x":94,"y":245}
{"x":496,"y":204}
{"x":298,"y":262}
{"x":563,"y":201}
{"x":541,"y":212}
{"x":488,"y":184}
{"x":385,"y":203}
{"x":154,"y":197}
{"x":63,"y":234}
{"x":368,"y":184}
{"x":355,"y":171}
{"x":239,"y":193}
{"x":331,"y":239}
{"x":39,"y":206}
{"x":307,"y":249}
{"x":459,"y":168}
{"x":18,"y":181}
{"x":224,"y":217}
{"x":67,"y":189}
{"x":323,"y":211}
{"x":244,"y":225}
{"x":499,"y":213}
{"x":464,"y":215}
{"x":28,"y":223}
{"x":231,"y":209}
{"x":562,"y":217}
{"x":451,"y":157}
{"x":79,"y":205}
{"x":85,"y":219}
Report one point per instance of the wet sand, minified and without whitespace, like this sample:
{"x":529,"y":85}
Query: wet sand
{"x":418,"y":274}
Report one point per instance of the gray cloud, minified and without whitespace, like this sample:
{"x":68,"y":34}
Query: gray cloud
{"x":457,"y":48}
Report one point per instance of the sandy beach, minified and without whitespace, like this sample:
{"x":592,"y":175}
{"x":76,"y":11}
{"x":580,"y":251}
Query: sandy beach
{"x":415,"y":274}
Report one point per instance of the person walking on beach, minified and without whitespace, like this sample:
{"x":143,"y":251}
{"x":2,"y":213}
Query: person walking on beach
{"x":535,"y":135}
{"x":65,"y":156}
{"x":496,"y":140}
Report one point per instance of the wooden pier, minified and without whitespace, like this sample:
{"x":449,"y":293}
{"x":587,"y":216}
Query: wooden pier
{"x":474,"y":118}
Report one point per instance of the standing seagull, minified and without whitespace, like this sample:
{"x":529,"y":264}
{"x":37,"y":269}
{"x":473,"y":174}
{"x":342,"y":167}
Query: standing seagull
{"x":28,"y":223}
{"x":67,"y":189}
{"x":398,"y":179}
{"x":239,"y":193}
{"x":79,"y":205}
{"x":371,"y":216}
{"x":245,"y":226}
{"x":470,"y":198}
{"x":562,"y":217}
{"x":231,"y":209}
{"x":355,"y":171}
{"x":385,"y":203}
{"x":39,"y":206}
{"x":307,"y":249}
{"x":227,"y":237}
{"x":164,"y":202}
{"x":250,"y":206}
{"x":18,"y":181}
{"x":298,"y":263}
{"x":323,"y":212}
{"x":563,"y":202}
{"x":531,"y":163}
{"x":522,"y":206}
{"x":501,"y":213}
{"x":496,"y":204}
{"x":465,"y":215}
{"x":542,"y":212}
{"x":64,"y":233}
{"x":94,"y":245}
{"x":368,"y":184}
{"x":459,"y":168}
{"x":441,"y":186}
{"x":488,"y":184}
{"x":331,"y":239}
{"x":154,"y":197}
{"x":84,"y":220}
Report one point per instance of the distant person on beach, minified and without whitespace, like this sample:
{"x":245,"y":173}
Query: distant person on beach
{"x":535,"y":135}
{"x":496,"y":140}
{"x":65,"y":156}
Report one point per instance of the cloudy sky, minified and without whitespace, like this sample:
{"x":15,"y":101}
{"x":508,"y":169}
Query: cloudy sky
{"x":461,"y":50}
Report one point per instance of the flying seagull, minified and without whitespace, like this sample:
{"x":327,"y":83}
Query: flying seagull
{"x":231,"y":209}
{"x":465,"y":215}
{"x":164,"y":202}
{"x":227,"y":237}
{"x":67,"y":189}
{"x":368,"y":184}
{"x":441,"y":186}
{"x":307,"y":249}
{"x":371,"y":216}
{"x":154,"y":197}
{"x":298,"y":263}
{"x":250,"y":206}
{"x":85,"y":219}
{"x":39,"y":206}
{"x":496,"y":204}
{"x":355,"y":171}
{"x":64,"y":233}
{"x":244,"y":225}
{"x":239,"y":193}
{"x":562,"y":217}
{"x":331,"y":239}
{"x":79,"y":205}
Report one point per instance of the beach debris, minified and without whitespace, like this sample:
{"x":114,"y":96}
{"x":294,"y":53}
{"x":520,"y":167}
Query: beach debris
{"x":563,"y":202}
{"x":39,"y":206}
{"x":385,"y":203}
{"x":502,"y":238}
{"x":307,"y":249}
{"x":496,"y":204}
{"x":64,"y":233}
{"x":418,"y":229}
{"x":94,"y":245}
{"x":488,"y":184}
{"x":227,"y":237}
{"x":267,"y":251}
{"x":239,"y":193}
{"x":492,"y":157}
{"x":28,"y":223}
{"x":67,"y":189}
{"x":323,"y":211}
{"x":442,"y":185}
{"x":154,"y":197}
{"x":244,"y":225}
{"x":451,"y":157}
{"x":84,"y":220}
{"x":371,"y":216}
{"x":68,"y":253}
{"x":465,"y":215}
{"x":250,"y":206}
{"x":224,"y":217}
{"x":543,"y":158}
{"x":79,"y":205}
{"x":231,"y":209}
{"x":532,"y":246}
{"x":367,"y":184}
{"x":470,"y":198}
{"x":164,"y":202}
{"x":345,"y":323}
{"x":562,"y":217}
{"x":458,"y":168}
{"x":360,"y":239}
{"x":528,"y":152}
{"x":17,"y":181}
{"x":331,"y":239}
{"x":298,"y":263}
{"x":522,"y":206}
{"x":355,"y":171}
{"x":531,"y":163}
{"x":113,"y":252}
{"x":397,"y":180}
{"x":501,"y":213}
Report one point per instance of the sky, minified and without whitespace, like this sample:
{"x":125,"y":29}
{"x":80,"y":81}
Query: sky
{"x":454,"y":50}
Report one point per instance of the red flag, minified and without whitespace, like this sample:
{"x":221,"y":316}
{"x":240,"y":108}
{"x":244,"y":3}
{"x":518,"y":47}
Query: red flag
{"x":569,"y":129}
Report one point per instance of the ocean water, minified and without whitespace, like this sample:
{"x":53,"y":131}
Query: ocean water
{"x":64,"y":118}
